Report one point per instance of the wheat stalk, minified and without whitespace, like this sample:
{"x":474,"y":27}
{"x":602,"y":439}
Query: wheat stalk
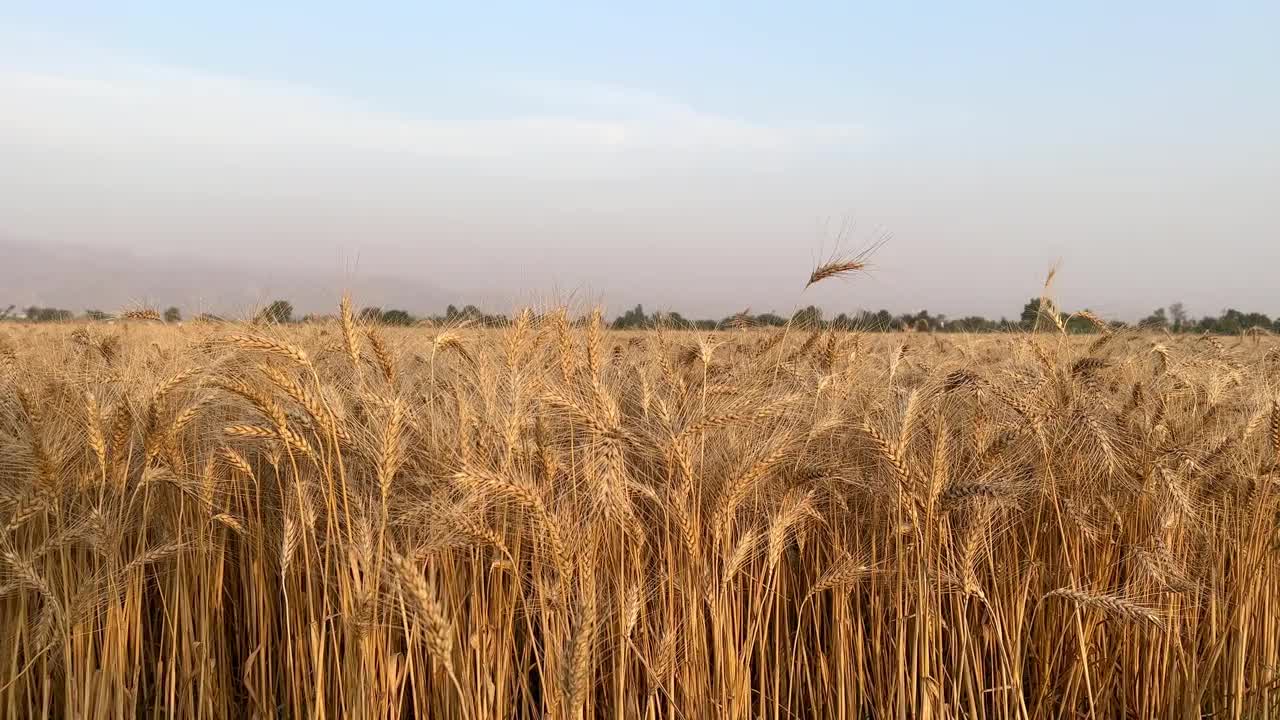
{"x":1111,"y":604}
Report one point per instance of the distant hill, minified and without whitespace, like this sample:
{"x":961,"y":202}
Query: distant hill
{"x":78,"y":278}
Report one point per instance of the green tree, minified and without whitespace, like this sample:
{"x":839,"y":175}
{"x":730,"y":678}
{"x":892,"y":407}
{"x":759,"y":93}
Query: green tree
{"x":671,"y":319}
{"x":809,"y":317}
{"x":1157,"y":320}
{"x":972,"y":323}
{"x":1178,"y":315}
{"x":173,"y":315}
{"x":920,"y":321}
{"x":1077,"y":325}
{"x":36,"y":313}
{"x":1255,"y":320}
{"x":397,"y":317}
{"x":96,"y":315}
{"x":279,"y":312}
{"x":631,"y":320}
{"x":1030,"y":312}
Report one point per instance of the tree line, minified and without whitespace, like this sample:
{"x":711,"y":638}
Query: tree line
{"x":1174,"y":319}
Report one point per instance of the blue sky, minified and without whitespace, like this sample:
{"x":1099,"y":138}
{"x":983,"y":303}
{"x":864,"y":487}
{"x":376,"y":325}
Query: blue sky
{"x":976,"y":67}
{"x":534,"y":146}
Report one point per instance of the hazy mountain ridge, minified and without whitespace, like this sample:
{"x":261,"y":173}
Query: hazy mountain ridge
{"x":79,"y":278}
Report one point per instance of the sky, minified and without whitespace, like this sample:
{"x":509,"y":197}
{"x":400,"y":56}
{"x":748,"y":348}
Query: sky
{"x":691,"y":156}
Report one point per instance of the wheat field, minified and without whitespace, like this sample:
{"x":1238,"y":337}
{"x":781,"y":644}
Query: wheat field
{"x":551,"y":519}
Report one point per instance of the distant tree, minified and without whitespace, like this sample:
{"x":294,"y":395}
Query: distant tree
{"x":1206,"y":324}
{"x":737,"y":321}
{"x":1080,"y":326}
{"x":371,"y":315}
{"x":1030,"y":313}
{"x":397,"y":317}
{"x":473,"y":315}
{"x":973,"y":323}
{"x":671,"y":319}
{"x":1157,"y":320}
{"x":96,"y":315}
{"x":920,"y":321}
{"x":631,"y":320}
{"x":1042,"y":315}
{"x":279,"y":312}
{"x":809,"y":317}
{"x":173,"y":315}
{"x":1178,"y":315}
{"x":1230,"y":322}
{"x":47,"y":314}
{"x":1255,"y":320}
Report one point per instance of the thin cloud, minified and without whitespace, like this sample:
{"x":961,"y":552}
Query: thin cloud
{"x":662,"y":121}
{"x":115,"y":104}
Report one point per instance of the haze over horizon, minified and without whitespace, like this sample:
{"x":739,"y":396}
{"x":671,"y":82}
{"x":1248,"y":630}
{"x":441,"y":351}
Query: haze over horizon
{"x":692,"y":158}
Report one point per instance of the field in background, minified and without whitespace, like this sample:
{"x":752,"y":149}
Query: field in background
{"x":558,"y":520}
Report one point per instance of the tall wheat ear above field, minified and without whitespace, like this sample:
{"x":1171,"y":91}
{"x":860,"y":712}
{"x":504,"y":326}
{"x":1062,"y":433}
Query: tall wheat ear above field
{"x":554,"y":519}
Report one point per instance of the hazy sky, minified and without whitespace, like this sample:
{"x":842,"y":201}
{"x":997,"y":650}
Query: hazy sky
{"x":693,"y":156}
